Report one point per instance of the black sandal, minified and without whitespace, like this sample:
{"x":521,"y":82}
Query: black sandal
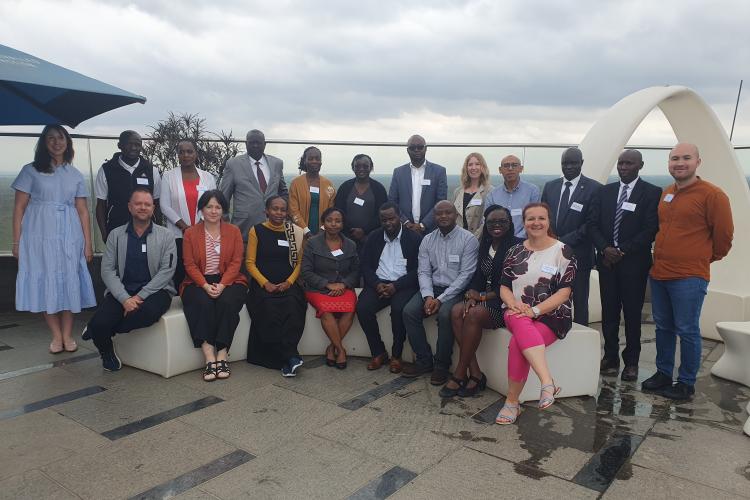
{"x":468,"y":392}
{"x":209,"y":373}
{"x":329,"y":361}
{"x":447,"y":392}
{"x":222,"y":368}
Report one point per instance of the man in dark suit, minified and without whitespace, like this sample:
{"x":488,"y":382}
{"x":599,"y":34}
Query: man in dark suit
{"x":251,"y":179}
{"x":623,"y":222}
{"x":569,"y":199}
{"x":389,"y":267}
{"x":416,"y":187}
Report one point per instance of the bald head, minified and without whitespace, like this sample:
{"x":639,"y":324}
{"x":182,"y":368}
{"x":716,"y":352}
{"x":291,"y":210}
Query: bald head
{"x":445,"y":216}
{"x":255,"y":142}
{"x":684,"y":160}
{"x":571,"y":163}
{"x":686,"y":146}
{"x":416,"y":147}
{"x":629,"y":164}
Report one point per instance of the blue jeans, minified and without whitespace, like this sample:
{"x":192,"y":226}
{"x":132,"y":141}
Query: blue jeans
{"x":676,"y":306}
{"x":414,"y":322}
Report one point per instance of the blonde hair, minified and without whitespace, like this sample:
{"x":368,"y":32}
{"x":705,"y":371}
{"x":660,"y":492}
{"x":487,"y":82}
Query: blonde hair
{"x":484,"y":176}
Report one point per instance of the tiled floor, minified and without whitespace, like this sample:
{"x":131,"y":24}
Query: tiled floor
{"x":70,"y":430}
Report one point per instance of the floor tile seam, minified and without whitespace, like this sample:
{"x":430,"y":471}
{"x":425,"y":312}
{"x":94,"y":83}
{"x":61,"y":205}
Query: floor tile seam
{"x":204,"y":431}
{"x":274,"y":384}
{"x":357,"y":450}
{"x":59,"y":484}
{"x":712,"y":425}
{"x":692,"y":481}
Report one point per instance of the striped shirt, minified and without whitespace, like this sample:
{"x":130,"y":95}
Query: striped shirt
{"x":213,"y":251}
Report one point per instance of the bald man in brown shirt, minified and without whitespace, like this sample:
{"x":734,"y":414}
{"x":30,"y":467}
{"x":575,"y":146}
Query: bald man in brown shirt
{"x":695,"y":229}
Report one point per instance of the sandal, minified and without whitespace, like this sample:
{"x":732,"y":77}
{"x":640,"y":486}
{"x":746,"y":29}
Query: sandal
{"x":508,"y":419}
{"x":70,"y":345}
{"x":209,"y":373}
{"x":447,"y":392}
{"x":223,"y":369}
{"x":480,"y":384}
{"x":56,"y":347}
{"x":552,"y":390}
{"x":341,"y":365}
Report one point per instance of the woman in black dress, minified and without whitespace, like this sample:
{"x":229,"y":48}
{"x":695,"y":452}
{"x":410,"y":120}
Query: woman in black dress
{"x":276,"y":302}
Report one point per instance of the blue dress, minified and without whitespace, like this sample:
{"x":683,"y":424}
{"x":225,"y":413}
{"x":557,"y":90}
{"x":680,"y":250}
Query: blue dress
{"x":52,"y":271}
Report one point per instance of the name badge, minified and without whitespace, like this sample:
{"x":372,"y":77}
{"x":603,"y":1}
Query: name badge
{"x":337,"y":252}
{"x":359,"y":201}
{"x":425,"y":182}
{"x":576,"y":206}
{"x":475,"y":202}
{"x":217,"y":249}
{"x":200,"y":188}
{"x":283,"y":243}
{"x":516,"y":211}
{"x":314,"y":189}
{"x":142,"y":181}
{"x":630,"y":207}
{"x":668,"y":198}
{"x":143,"y":248}
{"x":549,"y":268}
{"x":454,"y":258}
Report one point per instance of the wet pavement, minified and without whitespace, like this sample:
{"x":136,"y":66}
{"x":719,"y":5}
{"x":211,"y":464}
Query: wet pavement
{"x":70,"y":430}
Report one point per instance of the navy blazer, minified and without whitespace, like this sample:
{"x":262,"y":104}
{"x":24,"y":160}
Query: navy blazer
{"x":373,"y":249}
{"x":400,"y":192}
{"x":637,"y":228}
{"x":572,"y":229}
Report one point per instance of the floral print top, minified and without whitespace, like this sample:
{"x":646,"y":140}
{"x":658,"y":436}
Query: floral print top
{"x":534,"y":276}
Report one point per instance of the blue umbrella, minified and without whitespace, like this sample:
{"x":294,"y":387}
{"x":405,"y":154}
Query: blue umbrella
{"x":36,"y":92}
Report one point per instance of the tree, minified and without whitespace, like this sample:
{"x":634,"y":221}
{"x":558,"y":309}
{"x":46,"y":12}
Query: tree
{"x":214,"y":149}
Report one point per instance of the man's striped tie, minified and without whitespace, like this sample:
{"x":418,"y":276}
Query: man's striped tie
{"x":618,"y":215}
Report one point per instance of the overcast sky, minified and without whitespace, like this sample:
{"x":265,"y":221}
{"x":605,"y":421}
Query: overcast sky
{"x":477,"y":71}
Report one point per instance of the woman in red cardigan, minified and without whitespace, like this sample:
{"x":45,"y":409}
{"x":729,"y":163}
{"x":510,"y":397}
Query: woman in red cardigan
{"x":214,"y":289}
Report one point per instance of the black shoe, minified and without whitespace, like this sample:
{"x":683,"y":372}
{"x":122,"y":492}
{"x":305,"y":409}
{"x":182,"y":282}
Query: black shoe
{"x":447,"y":392}
{"x":629,"y":374}
{"x":85,"y":333}
{"x":609,"y":367}
{"x":656,"y":382}
{"x":413,"y":370}
{"x":679,"y":392}
{"x":469,"y":392}
{"x":110,"y":361}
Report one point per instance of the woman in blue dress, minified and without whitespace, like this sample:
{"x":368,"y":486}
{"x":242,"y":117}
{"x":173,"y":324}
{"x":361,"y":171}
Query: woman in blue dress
{"x":52,"y":237}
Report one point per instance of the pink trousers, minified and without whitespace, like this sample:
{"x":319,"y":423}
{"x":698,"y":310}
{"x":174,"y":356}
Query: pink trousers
{"x":526,"y":333}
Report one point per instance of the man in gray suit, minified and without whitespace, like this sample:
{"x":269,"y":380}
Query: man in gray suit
{"x":569,"y":200}
{"x":251,"y":179}
{"x":416,"y":187}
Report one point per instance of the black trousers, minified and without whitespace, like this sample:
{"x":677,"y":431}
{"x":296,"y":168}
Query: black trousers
{"x":623,"y":288}
{"x":368,"y":304}
{"x":581,"y":296}
{"x":179,"y":269}
{"x":109,"y":319}
{"x":213,"y":320}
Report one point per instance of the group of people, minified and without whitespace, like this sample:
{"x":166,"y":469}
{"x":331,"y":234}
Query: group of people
{"x":510,"y":256}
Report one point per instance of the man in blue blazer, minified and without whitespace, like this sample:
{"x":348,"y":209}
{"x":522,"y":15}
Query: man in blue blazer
{"x":569,"y":200}
{"x":417,"y":186}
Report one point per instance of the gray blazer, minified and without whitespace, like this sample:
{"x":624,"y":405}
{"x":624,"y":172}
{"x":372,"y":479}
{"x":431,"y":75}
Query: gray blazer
{"x":238,"y":181}
{"x":400,"y":192}
{"x":320,"y":267}
{"x":162,"y":259}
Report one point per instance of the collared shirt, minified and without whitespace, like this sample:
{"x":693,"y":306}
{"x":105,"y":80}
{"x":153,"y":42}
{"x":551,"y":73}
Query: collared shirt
{"x":417,"y":176}
{"x":514,"y":200}
{"x":447,"y":261}
{"x":629,"y":188}
{"x":101,"y":188}
{"x":392,"y":264}
{"x":136,"y":274}
{"x":263,"y":168}
{"x":573,"y":185}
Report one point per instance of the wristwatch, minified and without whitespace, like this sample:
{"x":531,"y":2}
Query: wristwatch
{"x":421,"y":226}
{"x":536,"y":311}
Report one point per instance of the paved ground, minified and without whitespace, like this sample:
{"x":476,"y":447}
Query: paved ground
{"x":70,"y":430}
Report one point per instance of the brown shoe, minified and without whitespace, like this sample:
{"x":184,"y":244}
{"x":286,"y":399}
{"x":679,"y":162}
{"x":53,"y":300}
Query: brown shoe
{"x":413,"y":370}
{"x":629,"y":374}
{"x":439,"y":376}
{"x":395,"y":366}
{"x":378,"y":361}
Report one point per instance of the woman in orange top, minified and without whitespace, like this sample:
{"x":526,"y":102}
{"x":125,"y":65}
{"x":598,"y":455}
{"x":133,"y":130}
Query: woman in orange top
{"x":310,"y":194}
{"x":214,"y":289}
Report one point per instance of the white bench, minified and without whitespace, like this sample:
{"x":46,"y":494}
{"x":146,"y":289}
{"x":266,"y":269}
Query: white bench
{"x":747,"y":424}
{"x":166,"y":348}
{"x":734,"y":364}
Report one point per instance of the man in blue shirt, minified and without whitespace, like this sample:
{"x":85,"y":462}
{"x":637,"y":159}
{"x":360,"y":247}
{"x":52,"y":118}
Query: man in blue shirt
{"x":137,"y":269}
{"x":513,"y":193}
{"x":447,"y":260}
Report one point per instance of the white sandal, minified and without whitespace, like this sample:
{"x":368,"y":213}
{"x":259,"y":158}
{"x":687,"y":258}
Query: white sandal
{"x":508,"y":419}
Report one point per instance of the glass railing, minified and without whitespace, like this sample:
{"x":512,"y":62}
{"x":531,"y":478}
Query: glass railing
{"x":541,"y":163}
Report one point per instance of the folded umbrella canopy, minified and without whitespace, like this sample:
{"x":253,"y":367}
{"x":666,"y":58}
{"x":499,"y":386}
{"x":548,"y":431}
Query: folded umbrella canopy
{"x":36,"y":92}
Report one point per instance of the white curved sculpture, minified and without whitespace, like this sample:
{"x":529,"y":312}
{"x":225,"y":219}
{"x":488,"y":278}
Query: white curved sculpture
{"x":734,"y":364}
{"x":693,"y":121}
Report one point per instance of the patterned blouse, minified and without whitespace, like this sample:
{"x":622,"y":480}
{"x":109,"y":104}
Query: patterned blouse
{"x":536,"y":275}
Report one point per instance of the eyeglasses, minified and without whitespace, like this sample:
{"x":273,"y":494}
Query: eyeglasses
{"x":498,"y":222}
{"x":416,"y":147}
{"x":511,"y":166}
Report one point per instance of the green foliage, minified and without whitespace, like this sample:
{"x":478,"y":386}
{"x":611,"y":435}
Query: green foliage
{"x":214,"y":148}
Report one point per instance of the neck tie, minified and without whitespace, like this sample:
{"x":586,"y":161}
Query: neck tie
{"x":618,"y":214}
{"x":261,"y":178}
{"x":564,"y":203}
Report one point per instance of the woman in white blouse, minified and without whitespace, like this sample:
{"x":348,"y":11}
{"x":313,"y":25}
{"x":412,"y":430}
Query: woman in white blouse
{"x":180,"y":190}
